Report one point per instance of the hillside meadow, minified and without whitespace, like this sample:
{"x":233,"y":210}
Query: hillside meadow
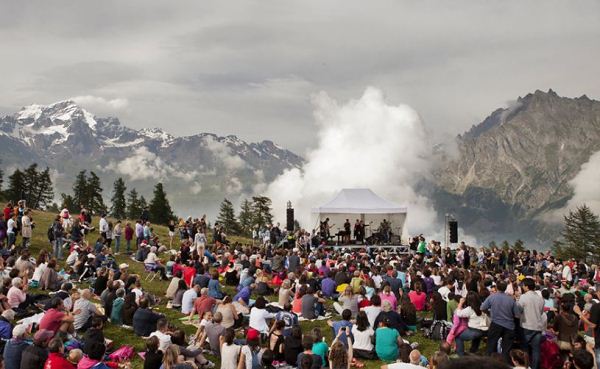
{"x":122,"y":336}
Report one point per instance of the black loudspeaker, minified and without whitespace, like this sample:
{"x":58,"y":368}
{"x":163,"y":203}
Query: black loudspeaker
{"x":453,"y":227}
{"x":289,"y":220}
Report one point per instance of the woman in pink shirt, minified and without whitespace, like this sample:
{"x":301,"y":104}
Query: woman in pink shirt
{"x":16,"y":294}
{"x":388,"y":295}
{"x":418,"y":297}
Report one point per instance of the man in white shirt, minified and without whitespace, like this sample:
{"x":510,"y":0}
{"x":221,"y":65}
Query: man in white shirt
{"x":187,"y":301}
{"x":103,"y":225}
{"x":164,"y":339}
{"x":11,"y":226}
{"x":532,"y":308}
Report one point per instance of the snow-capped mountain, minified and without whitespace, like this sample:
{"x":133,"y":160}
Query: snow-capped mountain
{"x":196,"y":169}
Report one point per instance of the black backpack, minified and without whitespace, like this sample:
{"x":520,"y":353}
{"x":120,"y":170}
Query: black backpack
{"x":439,"y":330}
{"x":51,"y":233}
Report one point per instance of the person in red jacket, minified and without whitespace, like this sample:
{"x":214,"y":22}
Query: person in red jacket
{"x":8,"y":211}
{"x":56,"y":359}
{"x":128,"y":237}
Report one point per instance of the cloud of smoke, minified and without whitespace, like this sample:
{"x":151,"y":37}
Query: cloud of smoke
{"x":364,"y":143}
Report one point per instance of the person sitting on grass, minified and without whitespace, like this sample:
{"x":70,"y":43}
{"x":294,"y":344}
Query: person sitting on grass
{"x":178,"y":338}
{"x":144,"y":319}
{"x":340,"y":355}
{"x":307,"y":344}
{"x":94,"y":334}
{"x":387,"y":341}
{"x":342,"y":325}
{"x":56,"y":318}
{"x":173,"y":285}
{"x":174,"y":360}
{"x":153,"y":357}
{"x":116,"y":315}
{"x":162,"y":333}
{"x":178,"y":296}
{"x":95,"y":357}
{"x":35,"y":356}
{"x":85,"y":311}
{"x":13,"y":350}
{"x":56,"y":358}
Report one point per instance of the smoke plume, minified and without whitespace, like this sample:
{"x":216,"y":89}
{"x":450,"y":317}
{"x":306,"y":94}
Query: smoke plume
{"x":364,"y":143}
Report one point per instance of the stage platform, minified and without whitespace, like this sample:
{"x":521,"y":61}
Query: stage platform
{"x":398,"y":249}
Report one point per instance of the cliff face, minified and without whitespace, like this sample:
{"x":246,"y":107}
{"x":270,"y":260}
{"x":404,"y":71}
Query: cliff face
{"x":517,"y":163}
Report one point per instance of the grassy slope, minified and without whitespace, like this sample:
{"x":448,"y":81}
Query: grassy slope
{"x":122,"y":336}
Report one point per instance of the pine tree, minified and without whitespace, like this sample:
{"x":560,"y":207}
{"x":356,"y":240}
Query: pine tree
{"x":519,"y":245}
{"x":227,"y":217}
{"x":160,"y":209}
{"x":1,"y":177}
{"x":80,"y":191}
{"x":94,"y":192}
{"x":261,"y":208}
{"x":580,"y":236}
{"x":143,"y":204}
{"x":245,"y":218}
{"x":118,"y":204}
{"x":68,"y":202}
{"x":16,"y":186}
{"x":134,"y":208}
{"x":44,"y":193}
{"x":32,"y":183}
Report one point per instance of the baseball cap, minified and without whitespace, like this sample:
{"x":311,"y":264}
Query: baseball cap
{"x":123,"y":266}
{"x":91,"y":256}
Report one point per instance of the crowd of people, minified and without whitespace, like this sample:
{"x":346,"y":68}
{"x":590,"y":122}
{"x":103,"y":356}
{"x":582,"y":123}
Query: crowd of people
{"x":249,"y":303}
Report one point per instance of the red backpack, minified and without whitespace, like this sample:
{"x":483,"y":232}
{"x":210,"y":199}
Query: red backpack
{"x":550,"y":355}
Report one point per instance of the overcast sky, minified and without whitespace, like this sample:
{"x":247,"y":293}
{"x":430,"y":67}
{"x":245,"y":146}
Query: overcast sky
{"x":250,"y":67}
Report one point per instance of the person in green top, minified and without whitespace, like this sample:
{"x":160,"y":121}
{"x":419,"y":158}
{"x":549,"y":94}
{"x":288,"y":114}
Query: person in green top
{"x":319,"y":346}
{"x":387,"y":341}
{"x":422,"y":248}
{"x":451,"y":305}
{"x":116,"y":315}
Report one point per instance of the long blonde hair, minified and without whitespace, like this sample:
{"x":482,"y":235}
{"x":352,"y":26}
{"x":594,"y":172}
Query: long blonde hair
{"x":171,"y":356}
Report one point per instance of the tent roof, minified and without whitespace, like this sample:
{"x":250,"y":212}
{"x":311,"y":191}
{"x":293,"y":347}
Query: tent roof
{"x":359,"y":201}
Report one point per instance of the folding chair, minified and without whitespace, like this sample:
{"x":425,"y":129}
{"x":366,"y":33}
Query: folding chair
{"x":151,"y":272}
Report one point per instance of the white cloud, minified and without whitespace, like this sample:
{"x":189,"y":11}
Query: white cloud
{"x":231,"y":161}
{"x":99,"y":103}
{"x":585,"y":190}
{"x":363,"y":143}
{"x":143,"y":164}
{"x":196,"y":188}
{"x":234,"y":186}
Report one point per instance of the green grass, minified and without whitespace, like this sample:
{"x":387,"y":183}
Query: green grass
{"x":122,"y":336}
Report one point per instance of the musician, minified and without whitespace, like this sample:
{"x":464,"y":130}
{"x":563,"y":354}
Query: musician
{"x":357,"y":236}
{"x":347,"y":232}
{"x":385,"y":229}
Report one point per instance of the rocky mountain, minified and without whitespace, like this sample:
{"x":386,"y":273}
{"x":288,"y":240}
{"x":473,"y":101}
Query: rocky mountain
{"x":198,"y":171}
{"x":515,"y":166}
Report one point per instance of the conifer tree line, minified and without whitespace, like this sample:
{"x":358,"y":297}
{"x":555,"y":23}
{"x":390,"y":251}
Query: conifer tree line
{"x":35,"y":187}
{"x":255,"y":213}
{"x":87,"y":193}
{"x":580,"y":238}
{"x":30,"y":184}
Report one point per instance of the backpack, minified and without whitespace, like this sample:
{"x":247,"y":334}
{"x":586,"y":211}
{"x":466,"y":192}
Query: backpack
{"x":439,"y":330}
{"x":550,"y":355}
{"x":123,"y":353}
{"x":51,"y":233}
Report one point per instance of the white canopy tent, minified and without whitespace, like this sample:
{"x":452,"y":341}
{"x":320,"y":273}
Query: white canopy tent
{"x":363,"y":204}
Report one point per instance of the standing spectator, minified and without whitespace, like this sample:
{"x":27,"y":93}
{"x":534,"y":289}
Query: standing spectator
{"x":139,"y":232}
{"x":58,"y":232}
{"x":103,"y":226}
{"x":26,"y":228}
{"x":532,"y":306}
{"x":503,"y":312}
{"x":117,"y":233}
{"x":128,"y":237}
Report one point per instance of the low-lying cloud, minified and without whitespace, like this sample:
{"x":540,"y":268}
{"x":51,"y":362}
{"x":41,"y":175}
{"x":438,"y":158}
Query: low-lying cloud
{"x":366,"y":143}
{"x":143,"y":164}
